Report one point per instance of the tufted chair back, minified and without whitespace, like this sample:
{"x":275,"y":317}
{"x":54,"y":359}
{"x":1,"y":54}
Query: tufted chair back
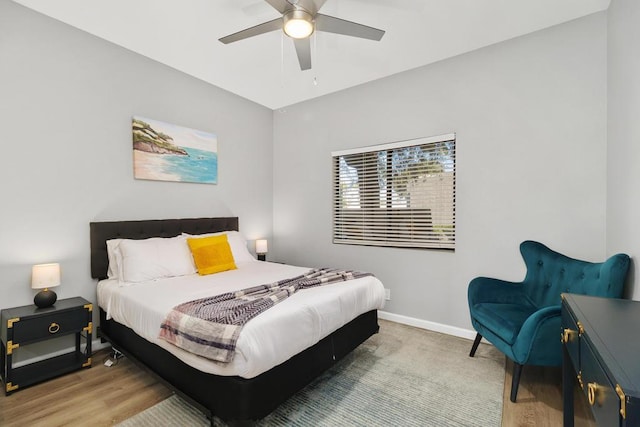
{"x":550,"y":273}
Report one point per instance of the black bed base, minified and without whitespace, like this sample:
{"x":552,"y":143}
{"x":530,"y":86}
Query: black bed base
{"x":236,"y":398}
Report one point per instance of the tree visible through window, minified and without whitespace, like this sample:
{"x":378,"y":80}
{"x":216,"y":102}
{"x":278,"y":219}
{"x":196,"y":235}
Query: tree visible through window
{"x":400,"y":194}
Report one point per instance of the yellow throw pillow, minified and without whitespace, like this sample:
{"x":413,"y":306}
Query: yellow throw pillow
{"x":211,"y":254}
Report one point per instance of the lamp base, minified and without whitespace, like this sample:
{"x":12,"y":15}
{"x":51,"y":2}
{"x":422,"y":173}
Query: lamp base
{"x":45,"y":298}
{"x":262,"y":257}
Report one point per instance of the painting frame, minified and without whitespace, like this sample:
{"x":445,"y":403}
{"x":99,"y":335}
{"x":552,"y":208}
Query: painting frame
{"x":167,"y":152}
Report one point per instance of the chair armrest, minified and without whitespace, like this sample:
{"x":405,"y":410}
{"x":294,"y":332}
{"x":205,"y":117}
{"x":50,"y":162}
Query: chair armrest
{"x":486,"y":289}
{"x":538,"y":342}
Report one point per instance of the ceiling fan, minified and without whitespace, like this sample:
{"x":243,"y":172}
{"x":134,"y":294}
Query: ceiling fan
{"x":300,"y":18}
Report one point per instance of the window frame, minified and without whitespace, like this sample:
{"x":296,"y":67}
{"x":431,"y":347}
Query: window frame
{"x":387,"y":218}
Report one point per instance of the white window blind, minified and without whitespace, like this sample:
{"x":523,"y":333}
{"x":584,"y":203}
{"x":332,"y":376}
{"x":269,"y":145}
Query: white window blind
{"x":400,"y":194}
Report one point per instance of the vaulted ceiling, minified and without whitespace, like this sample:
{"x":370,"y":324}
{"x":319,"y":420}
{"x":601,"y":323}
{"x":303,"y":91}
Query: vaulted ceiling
{"x":184,"y":34}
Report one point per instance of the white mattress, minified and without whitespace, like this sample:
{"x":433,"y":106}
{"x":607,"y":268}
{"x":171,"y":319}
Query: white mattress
{"x":268,"y":339}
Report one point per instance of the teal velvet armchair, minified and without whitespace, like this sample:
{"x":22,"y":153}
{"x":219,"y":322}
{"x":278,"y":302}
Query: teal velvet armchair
{"x":522,"y":319}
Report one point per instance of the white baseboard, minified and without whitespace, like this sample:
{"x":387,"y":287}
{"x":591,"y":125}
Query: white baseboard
{"x":425,"y":324}
{"x":95,"y":346}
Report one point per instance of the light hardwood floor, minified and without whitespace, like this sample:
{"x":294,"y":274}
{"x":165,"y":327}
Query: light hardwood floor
{"x":97,"y":396}
{"x":102,"y":396}
{"x":539,"y":400}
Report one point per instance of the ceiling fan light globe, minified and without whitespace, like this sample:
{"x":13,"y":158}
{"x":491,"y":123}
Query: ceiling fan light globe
{"x":298,"y":24}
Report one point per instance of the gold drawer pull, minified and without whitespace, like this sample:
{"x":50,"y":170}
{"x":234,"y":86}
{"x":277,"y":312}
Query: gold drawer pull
{"x":592,"y":389}
{"x":53,"y":328}
{"x":566,"y":335}
{"x":623,"y":401}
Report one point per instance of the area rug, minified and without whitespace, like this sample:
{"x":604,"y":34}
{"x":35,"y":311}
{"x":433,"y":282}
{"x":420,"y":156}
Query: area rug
{"x":401,"y":376}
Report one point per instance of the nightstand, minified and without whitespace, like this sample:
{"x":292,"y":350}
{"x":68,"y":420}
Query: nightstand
{"x":21,"y":326}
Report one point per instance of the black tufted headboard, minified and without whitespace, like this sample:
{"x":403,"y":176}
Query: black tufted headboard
{"x":100,"y":232}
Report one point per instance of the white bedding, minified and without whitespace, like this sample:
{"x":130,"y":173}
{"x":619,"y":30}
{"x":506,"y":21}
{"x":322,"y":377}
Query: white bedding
{"x":267,"y":340}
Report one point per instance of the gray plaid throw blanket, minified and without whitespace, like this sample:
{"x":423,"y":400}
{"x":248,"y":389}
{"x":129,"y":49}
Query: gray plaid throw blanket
{"x":210,"y":326}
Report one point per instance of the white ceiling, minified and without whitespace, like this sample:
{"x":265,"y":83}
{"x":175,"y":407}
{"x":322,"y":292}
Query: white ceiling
{"x":184,"y":35}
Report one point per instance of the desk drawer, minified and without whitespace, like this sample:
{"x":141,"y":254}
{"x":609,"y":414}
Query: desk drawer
{"x":601,"y":394}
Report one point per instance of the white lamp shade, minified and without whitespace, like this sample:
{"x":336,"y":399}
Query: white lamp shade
{"x":261,"y":246}
{"x":45,"y":276}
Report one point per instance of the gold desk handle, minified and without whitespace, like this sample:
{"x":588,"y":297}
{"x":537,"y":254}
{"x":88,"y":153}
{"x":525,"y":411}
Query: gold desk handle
{"x":580,"y":380}
{"x":623,"y":401}
{"x":592,"y":388}
{"x":53,"y":328}
{"x":566,"y":335}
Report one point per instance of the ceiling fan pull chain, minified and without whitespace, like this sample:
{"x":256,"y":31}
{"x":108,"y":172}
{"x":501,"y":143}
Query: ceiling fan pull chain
{"x":315,"y":55}
{"x":282,"y":36}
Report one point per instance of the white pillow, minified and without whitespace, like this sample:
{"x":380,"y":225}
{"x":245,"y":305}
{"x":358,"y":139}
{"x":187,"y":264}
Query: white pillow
{"x":237,"y":242}
{"x":115,"y":259}
{"x":155,"y":258}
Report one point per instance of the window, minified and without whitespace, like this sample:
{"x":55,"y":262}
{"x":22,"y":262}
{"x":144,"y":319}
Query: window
{"x":399,"y":195}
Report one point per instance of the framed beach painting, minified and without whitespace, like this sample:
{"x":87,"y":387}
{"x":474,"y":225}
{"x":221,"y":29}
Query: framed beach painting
{"x":167,"y":152}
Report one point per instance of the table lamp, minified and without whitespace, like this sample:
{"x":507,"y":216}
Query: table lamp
{"x":45,"y":276}
{"x":261,"y":249}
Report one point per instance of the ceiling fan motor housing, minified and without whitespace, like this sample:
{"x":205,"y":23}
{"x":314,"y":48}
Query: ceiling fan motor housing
{"x":298,"y":24}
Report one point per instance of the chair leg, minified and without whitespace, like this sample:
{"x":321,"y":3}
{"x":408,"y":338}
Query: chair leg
{"x":515,"y":380}
{"x":476,"y":342}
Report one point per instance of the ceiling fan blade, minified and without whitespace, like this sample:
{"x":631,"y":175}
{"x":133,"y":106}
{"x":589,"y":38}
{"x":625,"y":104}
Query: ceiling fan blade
{"x":318,"y":4}
{"x":303,"y":49}
{"x":280,"y":5}
{"x":311,"y":6}
{"x":265,"y":27}
{"x":331,"y":24}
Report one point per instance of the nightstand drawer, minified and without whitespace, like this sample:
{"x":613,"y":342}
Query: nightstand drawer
{"x":600,"y":393}
{"x":50,"y":325}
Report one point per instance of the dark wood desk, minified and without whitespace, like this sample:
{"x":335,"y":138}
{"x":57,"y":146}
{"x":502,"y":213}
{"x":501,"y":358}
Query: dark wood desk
{"x":601,"y":352}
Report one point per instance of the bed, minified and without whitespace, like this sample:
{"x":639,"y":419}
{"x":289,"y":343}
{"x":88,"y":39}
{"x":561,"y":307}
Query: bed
{"x":240,"y":392}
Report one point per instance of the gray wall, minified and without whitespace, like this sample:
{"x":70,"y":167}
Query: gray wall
{"x":530,"y":118}
{"x":530,"y":115}
{"x":623,"y":155}
{"x":66,"y":101}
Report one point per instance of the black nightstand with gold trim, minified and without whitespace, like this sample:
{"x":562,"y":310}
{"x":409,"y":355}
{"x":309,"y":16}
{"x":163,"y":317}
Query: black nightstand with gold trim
{"x":29,"y":324}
